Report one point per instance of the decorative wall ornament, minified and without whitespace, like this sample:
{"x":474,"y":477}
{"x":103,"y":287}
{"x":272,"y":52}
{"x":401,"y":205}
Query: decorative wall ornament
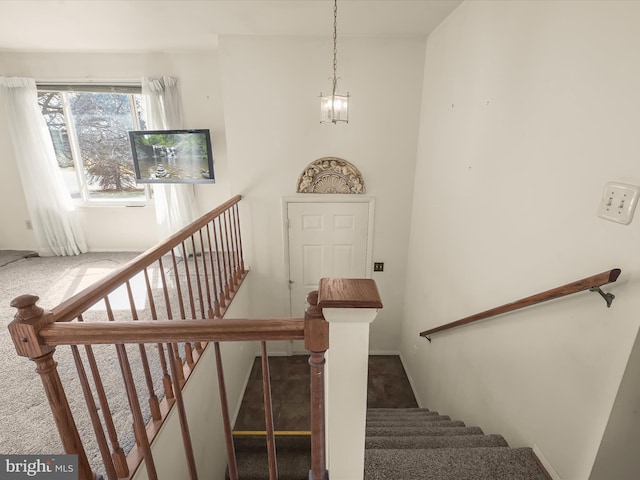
{"x":330,"y":175}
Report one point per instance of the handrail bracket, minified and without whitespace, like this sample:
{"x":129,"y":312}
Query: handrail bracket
{"x":608,"y":297}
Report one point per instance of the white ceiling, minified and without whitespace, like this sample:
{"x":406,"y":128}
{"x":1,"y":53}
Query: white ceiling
{"x":174,"y":25}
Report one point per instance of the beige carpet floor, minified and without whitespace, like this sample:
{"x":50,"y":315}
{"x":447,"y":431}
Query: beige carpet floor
{"x":26,"y":424}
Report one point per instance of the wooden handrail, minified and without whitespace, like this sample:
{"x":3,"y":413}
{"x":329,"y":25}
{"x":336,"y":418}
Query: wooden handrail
{"x":171,"y":331}
{"x":592,"y":282}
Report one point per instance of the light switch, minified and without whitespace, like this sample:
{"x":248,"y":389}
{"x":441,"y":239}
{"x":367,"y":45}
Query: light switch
{"x":619,"y":202}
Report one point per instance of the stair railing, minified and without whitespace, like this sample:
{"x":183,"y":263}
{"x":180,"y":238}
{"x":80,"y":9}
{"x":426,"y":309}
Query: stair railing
{"x":170,"y":299}
{"x":592,"y":283}
{"x":194,"y":274}
{"x":38,"y":336}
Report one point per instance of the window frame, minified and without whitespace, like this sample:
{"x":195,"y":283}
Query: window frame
{"x":64,"y":88}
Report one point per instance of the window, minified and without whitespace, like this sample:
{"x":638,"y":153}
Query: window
{"x":89,"y":128}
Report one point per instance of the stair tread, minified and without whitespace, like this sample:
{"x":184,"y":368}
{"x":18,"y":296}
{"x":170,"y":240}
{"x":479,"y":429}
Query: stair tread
{"x":424,"y":431}
{"x":482,"y":463}
{"x":397,"y":411}
{"x":433,"y":441}
{"x":407,"y":421}
{"x":391,"y":409}
{"x":402,"y":415}
{"x":434,"y":423}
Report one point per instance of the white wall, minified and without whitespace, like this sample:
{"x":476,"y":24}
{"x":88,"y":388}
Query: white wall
{"x":269,"y":115}
{"x":618,"y":453}
{"x":119,"y":228}
{"x":271,"y":87}
{"x":528,"y":109}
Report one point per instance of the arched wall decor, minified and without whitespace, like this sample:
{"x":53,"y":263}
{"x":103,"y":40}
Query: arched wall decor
{"x":330,"y":175}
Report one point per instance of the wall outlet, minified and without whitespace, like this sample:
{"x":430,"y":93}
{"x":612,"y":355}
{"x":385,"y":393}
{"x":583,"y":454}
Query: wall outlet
{"x":378,"y":266}
{"x":28,"y":224}
{"x":619,"y":202}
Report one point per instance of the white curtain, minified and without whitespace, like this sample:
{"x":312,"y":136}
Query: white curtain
{"x":175,"y":203}
{"x":51,"y":209}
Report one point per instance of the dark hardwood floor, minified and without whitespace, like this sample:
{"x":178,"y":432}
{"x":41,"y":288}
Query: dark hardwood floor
{"x":388,"y":387}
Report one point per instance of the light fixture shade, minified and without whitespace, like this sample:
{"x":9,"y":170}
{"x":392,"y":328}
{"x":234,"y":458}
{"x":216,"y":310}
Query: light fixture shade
{"x":334,"y":108}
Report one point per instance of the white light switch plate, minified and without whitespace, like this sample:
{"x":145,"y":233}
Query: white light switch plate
{"x":618,"y":202}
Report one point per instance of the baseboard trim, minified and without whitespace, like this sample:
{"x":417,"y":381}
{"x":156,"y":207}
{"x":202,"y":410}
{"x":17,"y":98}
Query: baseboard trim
{"x":545,"y":465}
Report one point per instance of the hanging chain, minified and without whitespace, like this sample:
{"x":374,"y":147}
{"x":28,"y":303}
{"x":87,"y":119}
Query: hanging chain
{"x":335,"y":44}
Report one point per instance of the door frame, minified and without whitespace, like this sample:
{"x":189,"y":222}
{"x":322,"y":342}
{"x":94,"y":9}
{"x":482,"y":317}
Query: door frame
{"x":325,"y":198}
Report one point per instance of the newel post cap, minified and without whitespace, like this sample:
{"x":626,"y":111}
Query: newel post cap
{"x":25,"y":327}
{"x":26,"y":305}
{"x":348,"y":293}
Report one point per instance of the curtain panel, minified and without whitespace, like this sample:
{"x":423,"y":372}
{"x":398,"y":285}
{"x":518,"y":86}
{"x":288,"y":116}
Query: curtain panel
{"x":175,"y":203}
{"x":53,"y":216}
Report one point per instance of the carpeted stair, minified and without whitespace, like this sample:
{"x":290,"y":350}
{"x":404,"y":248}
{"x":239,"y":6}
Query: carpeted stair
{"x":416,"y":444}
{"x":404,"y":444}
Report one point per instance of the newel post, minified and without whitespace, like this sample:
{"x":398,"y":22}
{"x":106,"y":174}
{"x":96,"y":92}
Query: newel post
{"x":316,"y":340}
{"x":349,"y":305}
{"x":24,"y":331}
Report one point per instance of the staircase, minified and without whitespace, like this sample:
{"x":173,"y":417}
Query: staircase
{"x":404,"y":444}
{"x":414,"y":443}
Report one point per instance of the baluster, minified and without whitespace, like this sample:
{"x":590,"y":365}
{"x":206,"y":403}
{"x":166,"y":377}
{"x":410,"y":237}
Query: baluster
{"x":28,"y":321}
{"x":268,"y":415}
{"x":187,"y":345}
{"x":139,"y":429}
{"x":167,"y":302}
{"x":185,"y":260}
{"x":216,"y":294}
{"x":239,"y":239}
{"x":206,"y":275}
{"x":176,"y":365}
{"x":316,"y":340}
{"x":198,"y":282}
{"x":93,"y":413}
{"x":154,"y":404}
{"x":176,"y":276}
{"x":219,"y":261}
{"x":224,"y":407}
{"x":234,"y":249}
{"x":227,"y":255}
{"x":223,"y":254}
{"x":138,"y":420}
{"x":166,"y":380}
{"x":117,"y":453}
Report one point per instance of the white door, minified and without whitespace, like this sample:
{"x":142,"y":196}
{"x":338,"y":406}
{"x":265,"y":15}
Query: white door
{"x":325,"y":240}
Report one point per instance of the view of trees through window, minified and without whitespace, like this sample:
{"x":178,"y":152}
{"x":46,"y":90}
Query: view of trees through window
{"x":90,"y":137}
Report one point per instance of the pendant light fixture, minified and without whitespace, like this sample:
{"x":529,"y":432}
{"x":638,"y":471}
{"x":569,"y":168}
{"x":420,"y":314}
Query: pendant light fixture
{"x":334,"y":108}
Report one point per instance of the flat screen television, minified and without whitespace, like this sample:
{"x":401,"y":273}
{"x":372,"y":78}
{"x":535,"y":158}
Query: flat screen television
{"x":172,"y":156}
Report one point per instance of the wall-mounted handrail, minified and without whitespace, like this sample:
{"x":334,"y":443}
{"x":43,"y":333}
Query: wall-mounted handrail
{"x":592,"y":283}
